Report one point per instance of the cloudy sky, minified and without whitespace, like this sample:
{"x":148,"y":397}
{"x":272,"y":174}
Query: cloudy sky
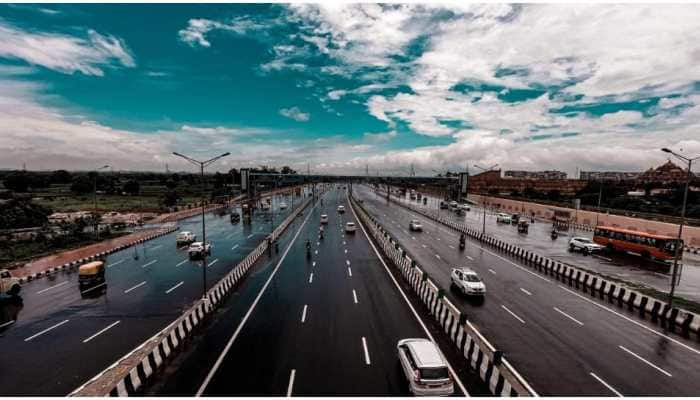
{"x":594,"y":87}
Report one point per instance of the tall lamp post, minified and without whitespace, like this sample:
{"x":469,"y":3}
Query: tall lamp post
{"x":678,"y":247}
{"x":483,"y":205}
{"x":201,"y":165}
{"x":94,"y":194}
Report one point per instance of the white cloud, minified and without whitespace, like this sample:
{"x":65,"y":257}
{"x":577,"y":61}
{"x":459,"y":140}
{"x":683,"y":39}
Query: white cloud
{"x":380,"y":137}
{"x":63,"y":53}
{"x":198,"y":29}
{"x":295,"y":113}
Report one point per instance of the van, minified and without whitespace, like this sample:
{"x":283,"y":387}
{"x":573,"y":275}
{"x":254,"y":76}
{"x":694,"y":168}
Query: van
{"x":425,"y":368}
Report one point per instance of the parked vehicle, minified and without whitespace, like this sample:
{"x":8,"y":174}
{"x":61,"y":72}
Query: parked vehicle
{"x":185,"y":237}
{"x":341,"y":209}
{"x":197,"y":250}
{"x":468,"y":282}
{"x":425,"y":367}
{"x":584,"y":245}
{"x":324,"y":218}
{"x":453,"y":205}
{"x":8,"y":284}
{"x":425,"y":200}
{"x":91,"y":275}
{"x":503,"y":218}
{"x":350,"y":227}
{"x":415,"y":225}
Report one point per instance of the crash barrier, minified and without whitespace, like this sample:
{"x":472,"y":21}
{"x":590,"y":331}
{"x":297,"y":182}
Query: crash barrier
{"x":677,"y":320}
{"x":691,"y":249}
{"x":128,"y":375}
{"x":97,"y":256}
{"x":489,"y":363}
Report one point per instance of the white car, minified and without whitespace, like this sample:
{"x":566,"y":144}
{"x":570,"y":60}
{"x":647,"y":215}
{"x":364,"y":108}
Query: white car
{"x":283,"y":206}
{"x":464,"y":207}
{"x":341,"y":209}
{"x":468,"y":282}
{"x":415,"y":225}
{"x":584,"y":245}
{"x":185,"y":237}
{"x":197,"y":249}
{"x":425,"y":368}
{"x":350,"y":227}
{"x":503,"y":217}
{"x":453,"y":205}
{"x":324,"y":218}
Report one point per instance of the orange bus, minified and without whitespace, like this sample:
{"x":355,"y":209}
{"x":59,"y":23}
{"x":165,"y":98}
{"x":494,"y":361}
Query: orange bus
{"x":648,"y":245}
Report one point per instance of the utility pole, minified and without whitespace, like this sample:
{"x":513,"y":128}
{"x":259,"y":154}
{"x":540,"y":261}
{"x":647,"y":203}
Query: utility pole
{"x":201,"y":165}
{"x":483,"y":203}
{"x":678,"y":248}
{"x":94,"y":194}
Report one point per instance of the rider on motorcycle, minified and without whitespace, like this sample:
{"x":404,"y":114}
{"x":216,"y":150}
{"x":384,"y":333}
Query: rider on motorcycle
{"x":462,"y":240}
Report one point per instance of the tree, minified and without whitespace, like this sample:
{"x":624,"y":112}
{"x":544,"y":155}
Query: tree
{"x":16,"y":214}
{"x":171,"y":184}
{"x":287,"y":170}
{"x":132,"y":187}
{"x":61,"y":176}
{"x":82,"y":185}
{"x":170,"y":198}
{"x":17,"y":181}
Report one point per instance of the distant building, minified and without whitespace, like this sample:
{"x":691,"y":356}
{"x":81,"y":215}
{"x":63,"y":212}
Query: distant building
{"x":666,"y":173}
{"x":492,"y":180}
{"x":609,"y":176}
{"x":544,"y":175}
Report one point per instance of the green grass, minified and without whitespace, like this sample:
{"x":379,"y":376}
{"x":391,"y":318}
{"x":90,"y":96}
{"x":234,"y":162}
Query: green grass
{"x":106,"y":203}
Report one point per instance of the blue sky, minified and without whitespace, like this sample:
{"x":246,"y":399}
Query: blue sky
{"x":343,"y":86}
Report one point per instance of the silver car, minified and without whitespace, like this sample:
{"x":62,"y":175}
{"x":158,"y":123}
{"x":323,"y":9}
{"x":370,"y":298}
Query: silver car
{"x":425,"y":368}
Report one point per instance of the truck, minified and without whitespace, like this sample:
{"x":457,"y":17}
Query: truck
{"x":8,"y":284}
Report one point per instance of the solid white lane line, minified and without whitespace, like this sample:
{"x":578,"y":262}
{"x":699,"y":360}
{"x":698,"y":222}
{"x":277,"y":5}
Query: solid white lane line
{"x":250,"y":236}
{"x":568,"y":316}
{"x":116,"y":263}
{"x":290,"y":386}
{"x":354,"y":296}
{"x":182,"y":262}
{"x":364,"y":344}
{"x":311,"y":277}
{"x":52,"y":287}
{"x":492,"y":271}
{"x":46,"y":330}
{"x":632,"y":321}
{"x":512,"y":313}
{"x":303,"y":314}
{"x":349,"y":271}
{"x":618,"y":394}
{"x":526,"y":292}
{"x":135,"y":287}
{"x":470,"y":258}
{"x":347,"y":262}
{"x":93,"y":288}
{"x":410,"y":306}
{"x":101,"y":331}
{"x":647,"y":362}
{"x":174,"y":287}
{"x":149,"y":263}
{"x":212,"y":263}
{"x":234,"y":247}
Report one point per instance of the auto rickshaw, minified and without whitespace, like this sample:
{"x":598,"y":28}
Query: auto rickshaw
{"x":91,"y":275}
{"x":523,"y":226}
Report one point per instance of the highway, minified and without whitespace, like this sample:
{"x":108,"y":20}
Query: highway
{"x":324,"y":324}
{"x":59,"y":339}
{"x":626,"y":267}
{"x":562,"y":342}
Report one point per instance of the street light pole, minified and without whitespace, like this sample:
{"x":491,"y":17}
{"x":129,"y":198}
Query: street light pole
{"x":678,"y":247}
{"x":483,"y":203}
{"x":94,"y":194}
{"x":201,"y":165}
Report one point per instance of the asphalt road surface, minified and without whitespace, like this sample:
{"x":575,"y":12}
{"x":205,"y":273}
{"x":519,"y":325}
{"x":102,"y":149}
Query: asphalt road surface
{"x":631,"y":268}
{"x":324,"y":324}
{"x":59,"y":339}
{"x":562,"y":342}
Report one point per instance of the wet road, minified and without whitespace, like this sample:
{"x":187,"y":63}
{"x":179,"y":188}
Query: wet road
{"x":625,"y":267}
{"x":563,"y":343}
{"x":320,"y":325}
{"x":59,"y":339}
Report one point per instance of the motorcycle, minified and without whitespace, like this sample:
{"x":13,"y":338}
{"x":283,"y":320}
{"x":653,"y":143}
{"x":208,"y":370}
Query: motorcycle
{"x":308,"y":249}
{"x":554,"y":234}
